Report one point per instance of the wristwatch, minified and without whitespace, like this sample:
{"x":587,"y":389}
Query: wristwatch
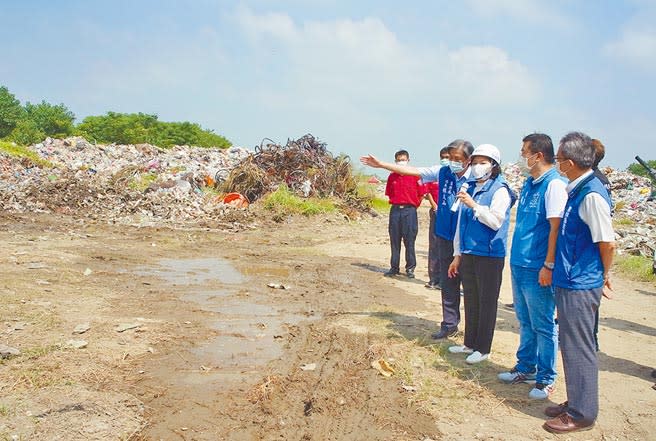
{"x":549,"y":265}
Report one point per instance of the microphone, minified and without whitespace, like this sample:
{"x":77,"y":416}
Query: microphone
{"x":456,"y":204}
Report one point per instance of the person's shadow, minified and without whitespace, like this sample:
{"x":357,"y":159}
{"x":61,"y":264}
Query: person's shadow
{"x":419,"y":330}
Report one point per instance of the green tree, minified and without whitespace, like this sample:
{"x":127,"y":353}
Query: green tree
{"x":27,"y":132}
{"x":120,"y":128}
{"x":10,"y":112}
{"x":135,"y":128}
{"x":638,"y":169}
{"x":53,"y":120}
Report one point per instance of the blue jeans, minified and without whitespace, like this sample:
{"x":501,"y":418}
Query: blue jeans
{"x":538,"y":339}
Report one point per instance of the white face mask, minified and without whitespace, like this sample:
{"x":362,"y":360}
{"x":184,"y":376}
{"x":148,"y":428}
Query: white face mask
{"x":445,"y":162}
{"x":401,"y":162}
{"x":522,"y":162}
{"x":481,"y":171}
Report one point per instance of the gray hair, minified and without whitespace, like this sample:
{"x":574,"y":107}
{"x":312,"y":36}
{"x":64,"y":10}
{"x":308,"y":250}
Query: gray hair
{"x":460,"y":144}
{"x":578,"y":148}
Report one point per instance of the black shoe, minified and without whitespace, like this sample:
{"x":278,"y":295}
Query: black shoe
{"x":391,"y":273}
{"x":510,"y":305}
{"x":433,"y":285}
{"x":410,"y":274}
{"x":444,"y":333}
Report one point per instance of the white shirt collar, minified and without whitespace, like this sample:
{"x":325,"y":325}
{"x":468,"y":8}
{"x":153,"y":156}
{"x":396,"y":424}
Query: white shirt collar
{"x":465,"y":175}
{"x":572,"y":185}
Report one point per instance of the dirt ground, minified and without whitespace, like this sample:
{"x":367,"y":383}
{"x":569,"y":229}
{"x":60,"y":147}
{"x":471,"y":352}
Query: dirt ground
{"x":186,"y":341}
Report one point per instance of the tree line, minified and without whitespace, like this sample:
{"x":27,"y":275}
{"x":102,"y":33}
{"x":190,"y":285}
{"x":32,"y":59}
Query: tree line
{"x":31,"y":123}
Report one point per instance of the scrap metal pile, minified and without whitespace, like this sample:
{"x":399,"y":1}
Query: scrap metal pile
{"x":143,"y":184}
{"x":304,"y":165}
{"x":634,"y":211}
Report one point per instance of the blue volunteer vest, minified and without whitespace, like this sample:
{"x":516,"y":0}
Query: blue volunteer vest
{"x":531,"y":236}
{"x":477,"y":238}
{"x":445,"y":219}
{"x":578,"y":261}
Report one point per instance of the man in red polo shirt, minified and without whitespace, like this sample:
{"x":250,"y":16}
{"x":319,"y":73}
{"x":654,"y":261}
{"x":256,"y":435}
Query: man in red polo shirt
{"x":405,"y":194}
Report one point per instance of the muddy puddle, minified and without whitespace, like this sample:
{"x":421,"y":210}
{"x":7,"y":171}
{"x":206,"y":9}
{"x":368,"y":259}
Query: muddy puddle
{"x":249,"y":330}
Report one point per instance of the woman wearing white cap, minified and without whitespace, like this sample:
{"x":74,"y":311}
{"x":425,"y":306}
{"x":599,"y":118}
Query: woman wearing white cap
{"x":480,"y":249}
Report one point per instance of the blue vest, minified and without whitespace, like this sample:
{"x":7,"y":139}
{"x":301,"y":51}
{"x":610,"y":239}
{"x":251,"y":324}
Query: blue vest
{"x":445,"y":219}
{"x":477,"y":238}
{"x":531,"y":237}
{"x":578,"y":261}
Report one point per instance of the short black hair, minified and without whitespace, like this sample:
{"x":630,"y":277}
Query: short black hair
{"x":402,"y":152}
{"x":541,"y":143}
{"x":444,"y":151}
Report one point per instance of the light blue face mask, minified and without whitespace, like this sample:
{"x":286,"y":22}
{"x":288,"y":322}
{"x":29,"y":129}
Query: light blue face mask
{"x":445,"y":162}
{"x":456,"y":167}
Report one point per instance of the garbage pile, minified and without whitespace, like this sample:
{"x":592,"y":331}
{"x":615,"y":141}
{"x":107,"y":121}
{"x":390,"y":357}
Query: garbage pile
{"x":144,"y":184}
{"x":140,"y":184}
{"x":304,"y":165}
{"x":634,"y":210}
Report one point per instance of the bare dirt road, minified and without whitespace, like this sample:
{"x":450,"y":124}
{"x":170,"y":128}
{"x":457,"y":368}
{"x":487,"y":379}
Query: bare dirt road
{"x":183,"y":339}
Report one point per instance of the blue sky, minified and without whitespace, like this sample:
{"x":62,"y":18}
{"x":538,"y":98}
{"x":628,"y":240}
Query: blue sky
{"x":364,"y":77}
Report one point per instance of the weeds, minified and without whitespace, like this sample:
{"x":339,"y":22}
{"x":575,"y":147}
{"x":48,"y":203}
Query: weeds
{"x":284,"y":202}
{"x":19,"y":151}
{"x":39,"y":351}
{"x":140,"y":182}
{"x":623,"y":221}
{"x":636,"y":268}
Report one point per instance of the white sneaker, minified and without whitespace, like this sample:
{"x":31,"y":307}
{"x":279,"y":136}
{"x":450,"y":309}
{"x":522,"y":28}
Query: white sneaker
{"x":541,"y":391}
{"x":460,"y":350}
{"x":476,"y":357}
{"x":515,"y":377}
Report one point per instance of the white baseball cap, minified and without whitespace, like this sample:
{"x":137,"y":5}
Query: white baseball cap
{"x":488,"y":150}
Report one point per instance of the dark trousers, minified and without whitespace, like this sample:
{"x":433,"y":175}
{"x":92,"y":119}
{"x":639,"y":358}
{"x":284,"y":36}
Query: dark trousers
{"x":403,"y":226}
{"x":576,"y":317}
{"x":450,"y":286}
{"x":433,"y":251}
{"x":481,"y":282}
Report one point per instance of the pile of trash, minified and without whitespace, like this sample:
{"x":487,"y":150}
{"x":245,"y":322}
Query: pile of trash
{"x":634,"y":209}
{"x":140,"y":184}
{"x":144,"y":184}
{"x":304,"y":165}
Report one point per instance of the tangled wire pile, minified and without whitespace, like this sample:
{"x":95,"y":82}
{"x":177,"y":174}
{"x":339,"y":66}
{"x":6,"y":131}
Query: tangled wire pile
{"x":304,"y":165}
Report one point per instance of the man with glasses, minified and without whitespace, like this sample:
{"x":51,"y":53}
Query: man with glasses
{"x":541,"y":204}
{"x":584,"y":255}
{"x":450,"y":178}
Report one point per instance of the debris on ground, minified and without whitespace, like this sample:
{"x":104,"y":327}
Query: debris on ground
{"x":382,"y":367}
{"x":8,"y":351}
{"x":145,"y":185}
{"x":305,"y":165}
{"x":634,"y":210}
{"x":126,"y":326}
{"x":81,"y":328}
{"x":77,"y":344}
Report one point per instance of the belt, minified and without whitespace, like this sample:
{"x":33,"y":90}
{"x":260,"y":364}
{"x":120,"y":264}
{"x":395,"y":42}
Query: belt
{"x":403,"y":206}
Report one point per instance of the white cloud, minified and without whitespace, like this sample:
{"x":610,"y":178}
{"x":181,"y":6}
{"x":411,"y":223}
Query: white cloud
{"x":533,"y":11}
{"x":363,"y":63}
{"x":635,"y":46}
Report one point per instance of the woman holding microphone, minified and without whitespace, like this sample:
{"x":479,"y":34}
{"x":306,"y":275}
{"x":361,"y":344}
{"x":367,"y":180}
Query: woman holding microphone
{"x":480,"y":245}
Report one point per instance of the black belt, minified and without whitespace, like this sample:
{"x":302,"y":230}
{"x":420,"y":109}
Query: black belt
{"x":403,"y":206}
